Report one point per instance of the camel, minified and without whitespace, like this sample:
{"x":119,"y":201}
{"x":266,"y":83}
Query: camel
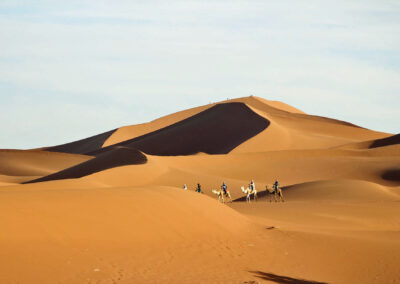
{"x":248,"y":191}
{"x":221,"y":194}
{"x":276,"y":194}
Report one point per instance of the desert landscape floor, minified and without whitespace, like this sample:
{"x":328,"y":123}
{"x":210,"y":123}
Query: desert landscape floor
{"x":163,"y":234}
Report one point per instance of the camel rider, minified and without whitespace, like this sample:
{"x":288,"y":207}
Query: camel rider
{"x":198,"y":189}
{"x":252,"y":185}
{"x":276,"y":185}
{"x":224,"y":187}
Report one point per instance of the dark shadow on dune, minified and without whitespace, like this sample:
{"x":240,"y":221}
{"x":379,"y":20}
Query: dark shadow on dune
{"x":217,"y":130}
{"x":283,"y":279}
{"x":83,"y":146}
{"x":392,"y":140}
{"x":118,"y":156}
{"x":392,"y":175}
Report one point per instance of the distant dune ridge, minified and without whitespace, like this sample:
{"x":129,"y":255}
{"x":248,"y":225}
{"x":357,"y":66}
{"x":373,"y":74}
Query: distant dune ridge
{"x":111,"y":208}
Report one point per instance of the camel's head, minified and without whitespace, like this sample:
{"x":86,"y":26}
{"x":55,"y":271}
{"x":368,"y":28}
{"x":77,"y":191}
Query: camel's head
{"x":243,"y":188}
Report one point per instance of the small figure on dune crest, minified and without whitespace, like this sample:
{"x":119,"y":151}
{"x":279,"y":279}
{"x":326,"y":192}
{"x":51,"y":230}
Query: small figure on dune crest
{"x":224,"y":191}
{"x":250,"y":190}
{"x":198,"y":189}
{"x":184,"y":187}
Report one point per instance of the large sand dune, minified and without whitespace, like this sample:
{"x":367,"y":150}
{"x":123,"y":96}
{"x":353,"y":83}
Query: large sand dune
{"x":111,"y":209}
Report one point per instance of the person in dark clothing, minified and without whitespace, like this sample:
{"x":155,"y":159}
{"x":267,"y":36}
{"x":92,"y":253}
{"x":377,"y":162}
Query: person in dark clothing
{"x":276,"y":185}
{"x":198,"y":189}
{"x":224,"y":187}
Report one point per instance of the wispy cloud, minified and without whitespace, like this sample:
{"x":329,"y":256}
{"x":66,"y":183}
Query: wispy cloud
{"x":338,"y":59}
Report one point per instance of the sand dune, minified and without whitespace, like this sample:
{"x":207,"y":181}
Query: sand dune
{"x":392,"y":140}
{"x":216,"y":130}
{"x":132,"y":131}
{"x":118,"y":213}
{"x":117,"y":222}
{"x":116,"y":157}
{"x":18,"y":166}
{"x":344,"y":190}
{"x":289,"y":128}
{"x":82,"y":146}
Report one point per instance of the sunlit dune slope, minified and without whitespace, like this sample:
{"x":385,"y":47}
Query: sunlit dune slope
{"x":288,"y":131}
{"x":68,"y":236}
{"x":344,"y":190}
{"x":115,"y":157}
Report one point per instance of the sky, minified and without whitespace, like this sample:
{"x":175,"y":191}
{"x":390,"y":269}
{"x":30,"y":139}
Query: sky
{"x":73,"y":69}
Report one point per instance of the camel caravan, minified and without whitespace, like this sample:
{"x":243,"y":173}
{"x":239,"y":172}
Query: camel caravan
{"x":273,"y":192}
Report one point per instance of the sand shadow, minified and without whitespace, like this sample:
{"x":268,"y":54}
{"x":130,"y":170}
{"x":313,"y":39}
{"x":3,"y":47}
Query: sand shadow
{"x":391,"y":140}
{"x":118,"y":156}
{"x":282,"y":279}
{"x":392,"y":175}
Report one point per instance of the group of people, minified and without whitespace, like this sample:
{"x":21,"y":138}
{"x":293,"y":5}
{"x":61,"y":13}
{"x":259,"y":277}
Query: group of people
{"x":224,"y":187}
{"x":198,"y":188}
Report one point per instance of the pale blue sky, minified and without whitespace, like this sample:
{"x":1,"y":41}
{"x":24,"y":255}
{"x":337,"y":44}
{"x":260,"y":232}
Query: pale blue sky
{"x":72,"y":69}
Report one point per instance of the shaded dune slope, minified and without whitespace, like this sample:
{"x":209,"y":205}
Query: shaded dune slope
{"x":117,"y":156}
{"x":216,"y":130}
{"x":392,"y":175}
{"x":83,"y":146}
{"x":392,"y":140}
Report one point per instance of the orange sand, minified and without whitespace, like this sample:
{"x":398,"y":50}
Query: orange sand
{"x":125,"y":221}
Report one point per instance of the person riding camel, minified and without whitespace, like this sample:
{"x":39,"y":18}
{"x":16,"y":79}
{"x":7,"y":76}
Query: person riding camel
{"x":252,"y":185}
{"x":224,"y":187}
{"x":276,"y":185}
